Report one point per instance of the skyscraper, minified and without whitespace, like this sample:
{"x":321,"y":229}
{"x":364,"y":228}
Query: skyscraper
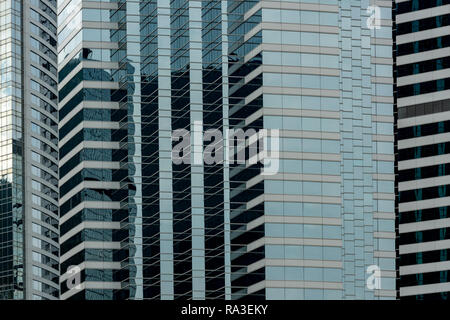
{"x":423,"y":123}
{"x":29,"y":247}
{"x":140,"y":225}
{"x":320,"y":71}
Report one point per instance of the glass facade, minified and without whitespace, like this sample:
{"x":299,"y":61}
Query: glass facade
{"x":94,"y":176}
{"x":142,"y":226}
{"x":422,"y":133}
{"x":11,"y":155}
{"x":29,"y":151}
{"x":314,"y":70}
{"x":162,"y":223}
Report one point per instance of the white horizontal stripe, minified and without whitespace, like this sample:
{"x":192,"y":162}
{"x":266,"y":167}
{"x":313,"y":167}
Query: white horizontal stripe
{"x":421,"y":141}
{"x":89,"y":245}
{"x":423,"y":119}
{"x":89,"y":185}
{"x":423,"y":162}
{"x":425,"y":267}
{"x":89,"y":145}
{"x":425,"y":289}
{"x":89,"y":205}
{"x":423,"y":183}
{"x":422,"y":14}
{"x":91,"y":165}
{"x":424,"y":246}
{"x":88,"y":125}
{"x":423,"y":56}
{"x":424,"y":225}
{"x":423,"y":35}
{"x":92,"y":285}
{"x":423,"y":77}
{"x":424,"y":98}
{"x":89,"y":225}
{"x":424,"y":204}
{"x":92,"y":265}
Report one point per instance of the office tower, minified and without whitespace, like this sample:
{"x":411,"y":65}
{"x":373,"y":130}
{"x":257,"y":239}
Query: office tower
{"x":321,"y":72}
{"x":140,"y":224}
{"x":423,"y":109}
{"x":29,"y":151}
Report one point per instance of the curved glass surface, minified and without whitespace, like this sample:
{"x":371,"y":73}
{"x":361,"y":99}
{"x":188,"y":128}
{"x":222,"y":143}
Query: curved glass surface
{"x":43,"y":129}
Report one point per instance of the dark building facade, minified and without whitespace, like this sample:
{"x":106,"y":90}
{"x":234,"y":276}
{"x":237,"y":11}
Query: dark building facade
{"x":423,"y":109}
{"x":141,"y":226}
